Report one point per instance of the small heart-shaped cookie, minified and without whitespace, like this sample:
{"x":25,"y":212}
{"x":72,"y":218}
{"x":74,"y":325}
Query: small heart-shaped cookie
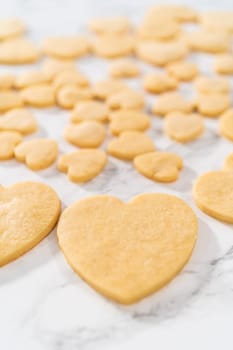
{"x":8,"y":141}
{"x":183,"y":127}
{"x":85,"y":135}
{"x":127,"y":251}
{"x":228,"y":164}
{"x":130,"y":144}
{"x":66,"y":47}
{"x":41,"y":95}
{"x":84,"y":165}
{"x":9,"y":100}
{"x":20,"y":120}
{"x":128,"y":120}
{"x":159,"y":166}
{"x":90,"y":111}
{"x":226,"y":124}
{"x":37,"y":154}
{"x":18,"y":51}
{"x":28,"y":213}
{"x":127,"y":99}
{"x":213,"y":194}
{"x":171,"y":102}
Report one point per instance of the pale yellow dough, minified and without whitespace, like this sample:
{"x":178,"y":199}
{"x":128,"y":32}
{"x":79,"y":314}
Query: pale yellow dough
{"x":228,"y":163}
{"x":11,"y":28}
{"x":183,"y":127}
{"x":70,"y":77}
{"x":37,"y":154}
{"x":29,"y":211}
{"x":130,"y":144}
{"x":218,"y":21}
{"x":212,"y":105}
{"x":128,"y":120}
{"x":171,"y":102}
{"x":223,"y":64}
{"x":69,"y":95}
{"x":183,"y":70}
{"x":7,"y":81}
{"x":18,"y":51}
{"x":159,"y":29}
{"x":113,"y":25}
{"x":209,"y":85}
{"x":20,"y":120}
{"x":53,"y":66}
{"x":124,"y":68}
{"x":8,"y":141}
{"x":67,"y":47}
{"x":113,"y":46}
{"x":28,"y":78}
{"x":41,"y":95}
{"x":128,"y":250}
{"x":9,"y":100}
{"x":213,"y":194}
{"x":159,"y":166}
{"x":179,"y":13}
{"x":89,"y":134}
{"x":90,"y":110}
{"x":161,"y":53}
{"x":105,"y":88}
{"x":226,"y":124}
{"x":126,"y":99}
{"x":83,"y":165}
{"x":207,"y":41}
{"x":158,"y":83}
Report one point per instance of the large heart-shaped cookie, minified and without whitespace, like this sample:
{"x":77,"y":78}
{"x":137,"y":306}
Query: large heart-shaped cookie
{"x":128,"y":251}
{"x":28,"y":213}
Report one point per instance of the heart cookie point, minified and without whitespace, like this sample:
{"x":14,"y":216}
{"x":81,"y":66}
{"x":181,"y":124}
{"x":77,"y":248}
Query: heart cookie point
{"x":128,"y":250}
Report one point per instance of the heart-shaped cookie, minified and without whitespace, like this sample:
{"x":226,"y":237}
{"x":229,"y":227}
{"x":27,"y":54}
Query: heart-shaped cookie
{"x":8,"y":141}
{"x":213,"y":194}
{"x":159,"y":166}
{"x":127,"y":251}
{"x":183,"y":127}
{"x":28,"y":213}
{"x":37,"y":154}
{"x":83,"y":165}
{"x":20,"y":120}
{"x":130,"y":144}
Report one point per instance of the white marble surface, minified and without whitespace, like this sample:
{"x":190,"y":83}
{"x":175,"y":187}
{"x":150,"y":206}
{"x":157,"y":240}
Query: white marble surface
{"x":43,"y":304}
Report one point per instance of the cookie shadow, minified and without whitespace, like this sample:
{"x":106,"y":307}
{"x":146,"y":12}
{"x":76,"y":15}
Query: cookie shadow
{"x":185,"y":180}
{"x":187,"y":286}
{"x":102,"y":183}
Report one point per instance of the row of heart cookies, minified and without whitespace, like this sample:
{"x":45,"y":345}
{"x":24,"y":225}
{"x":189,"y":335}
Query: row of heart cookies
{"x":124,"y":240}
{"x":157,"y":26}
{"x":85,"y":164}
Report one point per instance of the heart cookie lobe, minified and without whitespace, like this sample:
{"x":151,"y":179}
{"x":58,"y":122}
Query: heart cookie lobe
{"x":28,"y":213}
{"x":128,"y":250}
{"x":213,"y":194}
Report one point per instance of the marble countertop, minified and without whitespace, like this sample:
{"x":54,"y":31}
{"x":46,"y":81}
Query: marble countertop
{"x":43,"y":304}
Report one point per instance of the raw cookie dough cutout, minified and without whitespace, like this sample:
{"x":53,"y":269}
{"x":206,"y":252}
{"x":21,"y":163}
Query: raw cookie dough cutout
{"x":170,"y":102}
{"x":89,"y":134}
{"x":159,"y":166}
{"x":183,"y":127}
{"x":20,"y":120}
{"x":89,"y":111}
{"x":29,"y":212}
{"x":8,"y":141}
{"x":128,"y":251}
{"x":158,"y":83}
{"x":213,"y":194}
{"x":83,"y":165}
{"x":37,"y":154}
{"x":130,"y":144}
{"x":128,"y":120}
